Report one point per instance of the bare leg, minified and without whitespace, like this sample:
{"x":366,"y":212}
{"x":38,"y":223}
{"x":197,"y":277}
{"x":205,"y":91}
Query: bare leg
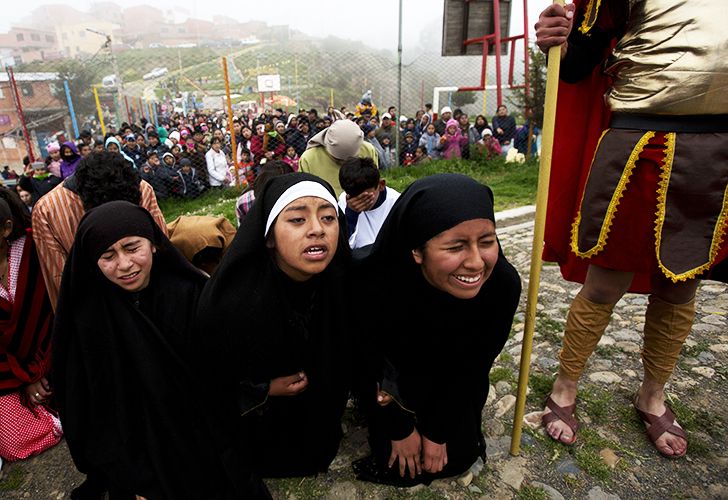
{"x":602,"y":286}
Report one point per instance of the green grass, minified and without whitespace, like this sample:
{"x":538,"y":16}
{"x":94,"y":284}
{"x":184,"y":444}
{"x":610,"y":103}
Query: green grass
{"x":540,"y":386}
{"x":549,"y":329}
{"x":214,"y":202}
{"x":694,"y":351}
{"x":500,"y":373}
{"x":513,"y":185}
{"x":532,"y":493}
{"x":13,"y":479}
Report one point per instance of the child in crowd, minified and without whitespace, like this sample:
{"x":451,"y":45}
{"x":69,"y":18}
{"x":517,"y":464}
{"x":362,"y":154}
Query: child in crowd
{"x":407,"y":153}
{"x":489,"y":145}
{"x":291,"y":158}
{"x":453,"y":141}
{"x":389,"y":151}
{"x":191,"y":185}
{"x":366,"y":200}
{"x":431,"y":141}
{"x":420,"y":156}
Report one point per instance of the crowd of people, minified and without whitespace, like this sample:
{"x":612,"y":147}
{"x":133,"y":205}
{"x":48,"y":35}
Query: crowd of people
{"x":186,"y":155}
{"x":132,"y":353}
{"x":193,"y":360}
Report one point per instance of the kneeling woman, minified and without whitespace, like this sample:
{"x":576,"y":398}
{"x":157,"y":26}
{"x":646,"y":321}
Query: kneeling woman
{"x":437,"y":257}
{"x":122,"y":355}
{"x":275,"y":316}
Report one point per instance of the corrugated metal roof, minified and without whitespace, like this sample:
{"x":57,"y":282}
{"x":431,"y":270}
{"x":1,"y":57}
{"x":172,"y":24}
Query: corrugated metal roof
{"x":30,"y":77}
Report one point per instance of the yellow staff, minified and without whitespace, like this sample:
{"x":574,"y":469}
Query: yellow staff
{"x":98,"y":110}
{"x":547,"y":143}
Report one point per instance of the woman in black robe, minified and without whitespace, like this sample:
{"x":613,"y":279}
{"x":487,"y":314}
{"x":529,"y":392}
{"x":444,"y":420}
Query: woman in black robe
{"x":451,"y":298}
{"x":131,"y":409}
{"x":275,"y":313}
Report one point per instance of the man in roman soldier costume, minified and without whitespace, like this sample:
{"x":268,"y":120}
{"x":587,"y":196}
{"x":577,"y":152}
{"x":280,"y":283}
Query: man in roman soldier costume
{"x":638,"y":197}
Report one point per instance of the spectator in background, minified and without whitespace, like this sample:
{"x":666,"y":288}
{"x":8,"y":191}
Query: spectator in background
{"x":387,"y":128}
{"x":441,"y":123}
{"x":85,"y":137}
{"x":421,"y":156}
{"x":431,"y":141}
{"x":217,"y":165}
{"x":291,"y":158}
{"x":84,"y":150}
{"x":475,"y":133}
{"x":453,"y":141}
{"x":155,"y":145}
{"x":191,"y":186}
{"x":369,"y":131}
{"x":328,"y":150}
{"x":407,"y":149}
{"x":40,"y":182}
{"x":488,"y":145}
{"x":390,"y":153}
{"x":54,"y":158}
{"x":70,"y":159}
{"x":464,"y":124}
{"x":134,"y":151}
{"x":504,"y":128}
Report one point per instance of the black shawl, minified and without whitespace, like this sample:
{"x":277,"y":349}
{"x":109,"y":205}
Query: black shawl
{"x":438,"y":349}
{"x":260,"y":325}
{"x":127,"y":400}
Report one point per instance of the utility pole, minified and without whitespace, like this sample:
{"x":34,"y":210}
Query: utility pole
{"x":115,"y":66}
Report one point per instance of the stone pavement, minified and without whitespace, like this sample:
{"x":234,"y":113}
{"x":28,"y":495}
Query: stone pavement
{"x":612,"y":458}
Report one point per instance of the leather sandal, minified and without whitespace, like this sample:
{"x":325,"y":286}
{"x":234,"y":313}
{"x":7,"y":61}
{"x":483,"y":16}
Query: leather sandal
{"x":563,"y":413}
{"x":659,"y":425}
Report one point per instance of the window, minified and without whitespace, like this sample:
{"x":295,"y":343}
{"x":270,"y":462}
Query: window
{"x":49,"y":39}
{"x":82,"y":34}
{"x":26,"y":89}
{"x":35,"y":37}
{"x":64,"y":35}
{"x":20,"y":37}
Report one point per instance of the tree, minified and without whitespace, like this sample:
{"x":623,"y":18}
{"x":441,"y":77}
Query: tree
{"x":80,"y":82}
{"x":460,"y":99}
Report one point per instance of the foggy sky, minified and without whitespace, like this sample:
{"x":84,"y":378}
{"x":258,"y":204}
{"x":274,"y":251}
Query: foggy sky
{"x":374,"y":22}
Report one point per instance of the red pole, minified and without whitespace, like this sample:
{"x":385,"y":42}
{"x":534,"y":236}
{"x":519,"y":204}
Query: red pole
{"x":21,"y":115}
{"x":496,"y":21}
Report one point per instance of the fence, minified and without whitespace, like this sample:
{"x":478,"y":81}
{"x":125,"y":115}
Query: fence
{"x":49,"y":102}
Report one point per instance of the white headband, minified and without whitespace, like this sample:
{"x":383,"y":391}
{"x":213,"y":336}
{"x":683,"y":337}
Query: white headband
{"x":299,"y":190}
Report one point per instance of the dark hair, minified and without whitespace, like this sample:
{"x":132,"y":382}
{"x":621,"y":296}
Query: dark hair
{"x":18,"y":213}
{"x":271,"y":169}
{"x":216,"y":140}
{"x":103,"y":177}
{"x":357,"y":175}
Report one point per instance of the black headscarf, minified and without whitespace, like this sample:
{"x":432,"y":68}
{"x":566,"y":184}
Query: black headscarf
{"x":260,"y":324}
{"x":126,"y":397}
{"x":438,"y":349}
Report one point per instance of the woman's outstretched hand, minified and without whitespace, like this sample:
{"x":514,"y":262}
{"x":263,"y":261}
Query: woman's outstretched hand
{"x":407,"y":452}
{"x":434,"y":456}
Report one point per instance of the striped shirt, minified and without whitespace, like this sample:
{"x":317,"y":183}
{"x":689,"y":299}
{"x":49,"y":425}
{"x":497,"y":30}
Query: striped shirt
{"x":55,"y":219}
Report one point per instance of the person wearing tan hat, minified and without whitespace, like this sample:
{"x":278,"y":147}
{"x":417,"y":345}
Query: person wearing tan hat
{"x":327,"y":150}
